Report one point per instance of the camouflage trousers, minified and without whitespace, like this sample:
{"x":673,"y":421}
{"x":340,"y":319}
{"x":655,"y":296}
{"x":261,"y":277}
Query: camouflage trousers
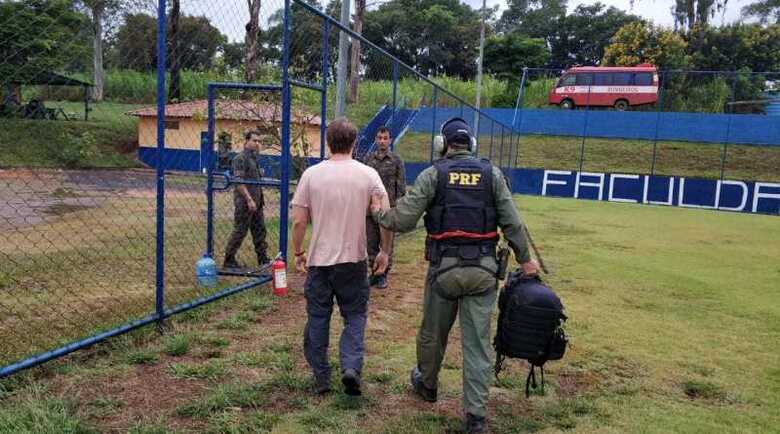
{"x":470,"y":294}
{"x":372,"y":243}
{"x":245,"y":221}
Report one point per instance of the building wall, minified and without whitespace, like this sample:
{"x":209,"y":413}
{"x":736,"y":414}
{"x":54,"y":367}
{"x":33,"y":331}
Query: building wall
{"x":187,"y":135}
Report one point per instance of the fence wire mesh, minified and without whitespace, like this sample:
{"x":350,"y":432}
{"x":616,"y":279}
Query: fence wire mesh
{"x":78,"y":184}
{"x":684,"y":123}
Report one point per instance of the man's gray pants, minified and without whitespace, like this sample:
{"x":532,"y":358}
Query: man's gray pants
{"x":348,"y":283}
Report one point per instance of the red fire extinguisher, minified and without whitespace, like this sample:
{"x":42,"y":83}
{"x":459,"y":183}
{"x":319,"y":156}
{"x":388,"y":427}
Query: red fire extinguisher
{"x":279,"y":270}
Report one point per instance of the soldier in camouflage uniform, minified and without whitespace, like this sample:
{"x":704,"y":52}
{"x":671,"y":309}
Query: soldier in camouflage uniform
{"x":465,"y":201}
{"x":248,"y":201}
{"x":391,"y":169}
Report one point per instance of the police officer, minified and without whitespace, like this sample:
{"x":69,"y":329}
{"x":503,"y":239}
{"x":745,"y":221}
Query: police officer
{"x":248,"y":202}
{"x":391,"y":169}
{"x":465,"y":201}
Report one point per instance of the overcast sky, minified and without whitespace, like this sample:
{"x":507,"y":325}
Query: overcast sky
{"x":231,"y":15}
{"x":657,"y":10}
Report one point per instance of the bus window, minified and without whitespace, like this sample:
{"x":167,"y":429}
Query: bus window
{"x":584,"y":79}
{"x":621,"y":78}
{"x":602,"y":79}
{"x":567,"y":80}
{"x":643,"y":79}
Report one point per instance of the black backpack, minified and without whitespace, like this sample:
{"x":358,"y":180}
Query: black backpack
{"x":530,"y":321}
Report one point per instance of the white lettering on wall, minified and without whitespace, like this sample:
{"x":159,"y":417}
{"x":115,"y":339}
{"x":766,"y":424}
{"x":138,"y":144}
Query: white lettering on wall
{"x":546,"y":180}
{"x":599,"y":184}
{"x":743,"y":200}
{"x":647,"y":187}
{"x":757,"y":195}
{"x":612,"y":178}
{"x":681,"y":197}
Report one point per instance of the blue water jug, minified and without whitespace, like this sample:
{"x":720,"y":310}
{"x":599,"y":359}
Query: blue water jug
{"x":206,"y":271}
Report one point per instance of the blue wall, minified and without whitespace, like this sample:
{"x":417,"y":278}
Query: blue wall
{"x":692,"y":127}
{"x":729,"y":195}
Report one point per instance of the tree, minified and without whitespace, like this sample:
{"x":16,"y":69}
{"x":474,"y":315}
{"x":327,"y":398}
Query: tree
{"x":739,"y":47}
{"x":252,"y":31}
{"x":26,"y":50}
{"x":640,"y":42}
{"x":764,"y":10}
{"x":506,"y":55}
{"x":354,"y":78}
{"x":588,"y":30}
{"x":693,"y":14}
{"x":137,"y":42}
{"x":434,"y":36}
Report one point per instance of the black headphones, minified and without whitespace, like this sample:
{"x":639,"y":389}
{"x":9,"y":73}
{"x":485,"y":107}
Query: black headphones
{"x":440,"y":142}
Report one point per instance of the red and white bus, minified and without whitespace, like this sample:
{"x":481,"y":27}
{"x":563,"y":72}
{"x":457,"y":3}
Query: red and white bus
{"x":606,"y":86}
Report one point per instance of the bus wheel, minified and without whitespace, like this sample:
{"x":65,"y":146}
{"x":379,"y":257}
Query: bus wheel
{"x":567,"y":104}
{"x":621,"y":105}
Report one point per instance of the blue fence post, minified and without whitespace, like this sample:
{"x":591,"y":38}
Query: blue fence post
{"x":395,"y":96}
{"x":324,"y":96}
{"x":520,"y":97}
{"x":160,"y":247}
{"x":585,"y":127}
{"x":728,"y":127}
{"x":461,"y":109}
{"x":210,"y":172}
{"x":284,"y":188}
{"x":492,"y":131}
{"x":433,"y":118}
{"x":658,"y":111}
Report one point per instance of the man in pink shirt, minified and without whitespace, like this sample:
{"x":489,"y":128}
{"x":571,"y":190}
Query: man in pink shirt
{"x":334,"y":196}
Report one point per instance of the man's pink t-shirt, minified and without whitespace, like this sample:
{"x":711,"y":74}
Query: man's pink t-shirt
{"x":337,"y":194}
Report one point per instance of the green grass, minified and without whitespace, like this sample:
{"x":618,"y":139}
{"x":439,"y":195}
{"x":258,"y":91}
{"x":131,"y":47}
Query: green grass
{"x":107,"y":140}
{"x":672,"y":316}
{"x":177,"y":345}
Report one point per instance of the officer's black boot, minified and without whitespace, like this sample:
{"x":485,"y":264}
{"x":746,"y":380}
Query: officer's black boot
{"x":230,"y":262}
{"x":475,"y":424}
{"x":419,"y":388}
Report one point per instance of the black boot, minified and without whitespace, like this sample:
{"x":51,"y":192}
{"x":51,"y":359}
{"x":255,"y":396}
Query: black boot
{"x":351,"y":380}
{"x":475,"y":424}
{"x":419,"y":388}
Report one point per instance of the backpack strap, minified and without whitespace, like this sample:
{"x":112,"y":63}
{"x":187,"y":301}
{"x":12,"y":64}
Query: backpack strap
{"x":530,"y":381}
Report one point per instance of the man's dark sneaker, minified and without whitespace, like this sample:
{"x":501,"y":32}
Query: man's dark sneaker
{"x":233,"y":264}
{"x":475,"y":424}
{"x":381,"y":281}
{"x":351,"y":380}
{"x":419,"y":388}
{"x":321,"y":385}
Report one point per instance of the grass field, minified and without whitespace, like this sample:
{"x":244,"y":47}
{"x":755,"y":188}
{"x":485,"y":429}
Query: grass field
{"x":674,"y":318}
{"x":107,"y":140}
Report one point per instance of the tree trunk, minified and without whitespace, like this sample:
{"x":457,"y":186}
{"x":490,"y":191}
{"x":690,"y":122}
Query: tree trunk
{"x":174,"y":62}
{"x":97,"y":56}
{"x":252,"y":31}
{"x":354,"y":66}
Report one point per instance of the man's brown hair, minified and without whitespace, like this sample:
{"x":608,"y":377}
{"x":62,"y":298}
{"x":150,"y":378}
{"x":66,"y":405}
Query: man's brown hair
{"x":341,"y":136}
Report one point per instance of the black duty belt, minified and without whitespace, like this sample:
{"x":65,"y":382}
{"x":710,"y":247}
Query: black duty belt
{"x":467,"y":251}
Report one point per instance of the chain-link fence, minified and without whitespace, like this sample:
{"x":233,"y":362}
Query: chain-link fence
{"x":638,"y":120}
{"x":122,"y":126}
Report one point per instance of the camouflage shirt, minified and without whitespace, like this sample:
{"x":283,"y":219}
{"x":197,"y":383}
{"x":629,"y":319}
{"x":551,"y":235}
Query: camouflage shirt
{"x":245,"y":168}
{"x":391,"y":170}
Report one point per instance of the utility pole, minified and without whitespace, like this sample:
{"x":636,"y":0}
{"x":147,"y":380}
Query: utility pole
{"x":479,"y":68}
{"x":341,"y":69}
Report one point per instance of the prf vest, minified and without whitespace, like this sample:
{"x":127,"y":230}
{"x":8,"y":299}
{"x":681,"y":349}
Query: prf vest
{"x":464,"y":208}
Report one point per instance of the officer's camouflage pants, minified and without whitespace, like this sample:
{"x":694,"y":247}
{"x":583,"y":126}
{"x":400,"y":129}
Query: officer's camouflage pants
{"x":243,"y":222}
{"x":373,"y":239}
{"x":469,"y":293}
